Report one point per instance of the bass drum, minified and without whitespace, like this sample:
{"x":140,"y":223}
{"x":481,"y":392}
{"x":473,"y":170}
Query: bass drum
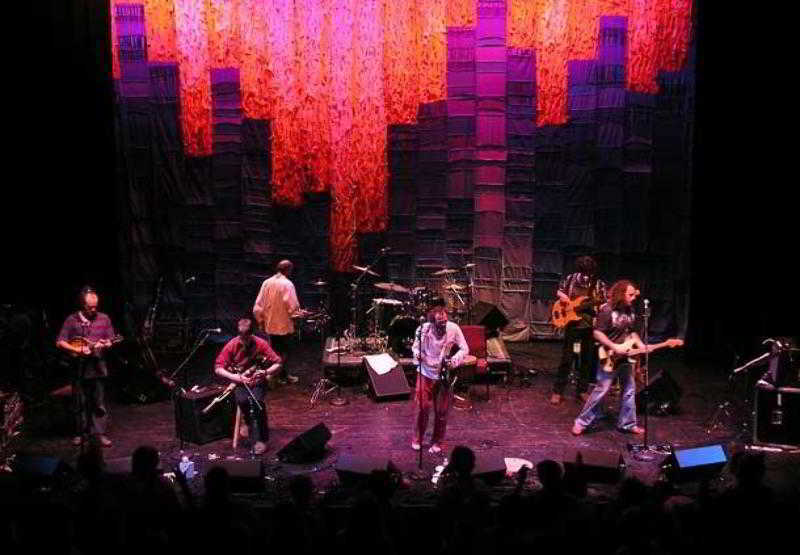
{"x":401,"y":334}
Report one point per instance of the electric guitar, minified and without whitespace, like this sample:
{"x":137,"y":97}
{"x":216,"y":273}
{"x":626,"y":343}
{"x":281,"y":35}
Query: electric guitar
{"x":610,"y":358}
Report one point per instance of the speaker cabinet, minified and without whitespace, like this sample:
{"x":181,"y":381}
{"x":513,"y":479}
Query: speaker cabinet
{"x":353,"y":469}
{"x":777,"y":416}
{"x":389,"y":386}
{"x":596,"y":466}
{"x":198,"y":428}
{"x":245,"y":476}
{"x":308,"y":446}
{"x":695,"y":463}
{"x":662,"y":395}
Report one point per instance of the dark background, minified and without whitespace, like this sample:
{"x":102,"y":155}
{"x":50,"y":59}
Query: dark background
{"x":61,"y":231}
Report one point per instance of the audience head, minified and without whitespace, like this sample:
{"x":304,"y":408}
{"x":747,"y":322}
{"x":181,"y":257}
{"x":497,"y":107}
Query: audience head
{"x":462,"y":461}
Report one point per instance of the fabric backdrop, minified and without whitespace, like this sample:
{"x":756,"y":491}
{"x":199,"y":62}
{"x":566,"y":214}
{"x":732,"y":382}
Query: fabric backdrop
{"x":516,"y":135}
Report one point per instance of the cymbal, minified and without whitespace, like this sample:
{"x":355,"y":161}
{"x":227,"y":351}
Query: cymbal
{"x":454,"y":287}
{"x":445,"y":272}
{"x":397,"y":288}
{"x":319,"y":283}
{"x":365,"y":269}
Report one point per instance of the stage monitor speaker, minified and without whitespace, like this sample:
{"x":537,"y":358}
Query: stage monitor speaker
{"x":353,"y":469}
{"x":308,"y":446}
{"x":389,"y":386}
{"x":777,"y":416}
{"x":596,"y":466}
{"x":489,"y":315}
{"x":245,"y":476}
{"x":695,"y":463}
{"x":663,"y":395}
{"x":490,"y":467}
{"x":198,"y":428}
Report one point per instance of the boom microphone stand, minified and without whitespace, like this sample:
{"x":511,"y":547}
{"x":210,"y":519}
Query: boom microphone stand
{"x":644,"y":451}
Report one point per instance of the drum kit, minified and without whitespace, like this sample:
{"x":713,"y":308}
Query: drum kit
{"x":394,"y":316}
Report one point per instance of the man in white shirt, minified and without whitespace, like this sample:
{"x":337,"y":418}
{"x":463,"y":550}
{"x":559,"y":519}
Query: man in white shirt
{"x":433,"y":342}
{"x":273,"y":309}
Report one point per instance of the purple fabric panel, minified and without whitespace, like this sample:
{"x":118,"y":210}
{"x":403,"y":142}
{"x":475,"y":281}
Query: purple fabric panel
{"x":490,"y":201}
{"x":520,"y":65}
{"x":164,"y":81}
{"x":612,"y":40}
{"x":611,"y":97}
{"x":489,"y":229}
{"x":491,"y":28}
{"x":132,"y":48}
{"x":490,"y":175}
{"x":461,"y":107}
{"x":490,"y":84}
{"x":491,"y":129}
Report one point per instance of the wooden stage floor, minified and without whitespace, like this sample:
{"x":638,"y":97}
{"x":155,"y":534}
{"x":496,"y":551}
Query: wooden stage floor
{"x":516,"y":421}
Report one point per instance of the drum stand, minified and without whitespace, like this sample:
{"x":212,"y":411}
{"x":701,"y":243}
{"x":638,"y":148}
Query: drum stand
{"x":324,"y":386}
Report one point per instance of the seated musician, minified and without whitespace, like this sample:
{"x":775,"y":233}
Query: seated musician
{"x":433,"y":342}
{"x":248,"y":352}
{"x":86,"y":334}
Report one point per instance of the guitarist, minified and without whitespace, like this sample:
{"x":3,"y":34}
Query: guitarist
{"x":85,"y":335}
{"x":615,"y":331}
{"x":243,"y":351}
{"x":583,"y":282}
{"x":433,"y":342}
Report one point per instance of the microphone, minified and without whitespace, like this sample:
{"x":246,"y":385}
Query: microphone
{"x":646,"y":304}
{"x":190,"y":279}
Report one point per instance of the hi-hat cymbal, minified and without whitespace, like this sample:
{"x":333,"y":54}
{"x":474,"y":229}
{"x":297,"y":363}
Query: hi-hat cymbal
{"x":445,"y":272}
{"x":365,"y":269}
{"x":319,"y":283}
{"x":454,"y":287}
{"x":397,"y":288}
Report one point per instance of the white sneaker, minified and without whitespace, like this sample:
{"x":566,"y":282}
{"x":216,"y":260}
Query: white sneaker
{"x":416,"y":446}
{"x":435,"y":449}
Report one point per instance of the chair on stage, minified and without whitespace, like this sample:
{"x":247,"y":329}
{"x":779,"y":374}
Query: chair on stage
{"x":476,"y":341}
{"x":240,"y":428}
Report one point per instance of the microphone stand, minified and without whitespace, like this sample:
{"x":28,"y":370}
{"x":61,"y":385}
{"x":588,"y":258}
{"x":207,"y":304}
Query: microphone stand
{"x":644,"y":451}
{"x":419,"y":474}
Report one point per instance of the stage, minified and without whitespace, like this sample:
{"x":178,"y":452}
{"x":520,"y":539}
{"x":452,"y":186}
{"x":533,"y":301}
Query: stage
{"x":516,"y":421}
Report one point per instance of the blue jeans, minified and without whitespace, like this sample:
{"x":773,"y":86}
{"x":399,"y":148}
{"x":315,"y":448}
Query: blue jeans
{"x":593,"y":407}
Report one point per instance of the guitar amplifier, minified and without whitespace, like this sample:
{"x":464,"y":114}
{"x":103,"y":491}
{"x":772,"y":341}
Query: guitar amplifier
{"x":777,"y":416}
{"x":198,"y":428}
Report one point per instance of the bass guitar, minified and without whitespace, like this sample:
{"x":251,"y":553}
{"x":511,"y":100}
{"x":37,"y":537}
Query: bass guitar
{"x":610,"y":358}
{"x":565,"y":312}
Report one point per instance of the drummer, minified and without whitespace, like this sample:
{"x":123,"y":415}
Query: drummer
{"x":433,"y":342}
